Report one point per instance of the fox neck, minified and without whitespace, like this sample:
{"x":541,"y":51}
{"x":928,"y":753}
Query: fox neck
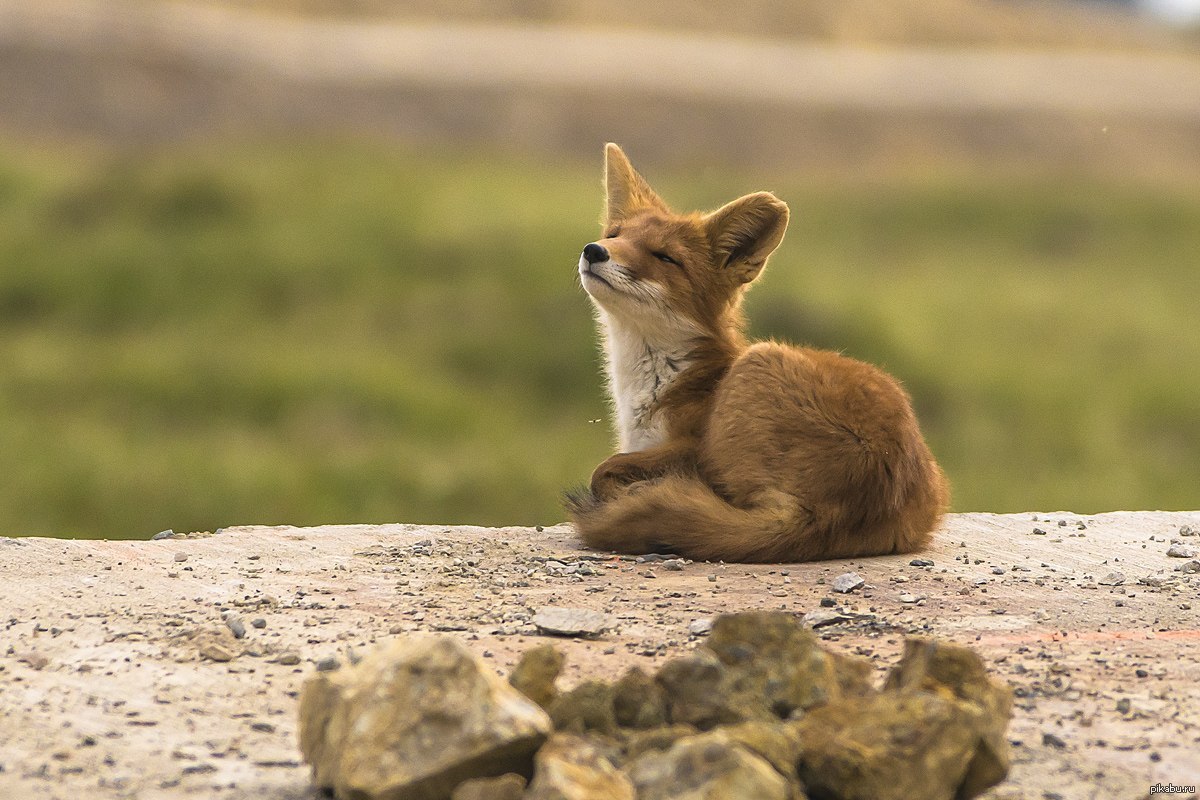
{"x":643,"y":363}
{"x":641,"y":366}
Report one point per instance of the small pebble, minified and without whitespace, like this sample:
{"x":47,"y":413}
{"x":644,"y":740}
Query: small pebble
{"x":258,"y":622}
{"x":921,"y":562}
{"x":1051,"y":740}
{"x":1181,"y":551}
{"x":819,"y":618}
{"x":673,"y":564}
{"x":828,"y":602}
{"x":181,"y":557}
{"x":561,"y":621}
{"x":289,"y":659}
{"x":216,"y":652}
{"x":168,"y":533}
{"x":236,"y":627}
{"x":847,"y":582}
{"x":328,"y":664}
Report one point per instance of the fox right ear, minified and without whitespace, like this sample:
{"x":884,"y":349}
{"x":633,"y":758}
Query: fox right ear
{"x":626,"y":192}
{"x":743,"y":233}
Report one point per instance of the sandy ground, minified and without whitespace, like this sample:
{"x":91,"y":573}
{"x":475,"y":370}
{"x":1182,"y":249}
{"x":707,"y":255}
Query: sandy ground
{"x":109,"y":687}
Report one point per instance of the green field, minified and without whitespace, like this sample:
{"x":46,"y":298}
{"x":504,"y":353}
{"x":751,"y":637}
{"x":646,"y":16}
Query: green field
{"x":334,"y":332}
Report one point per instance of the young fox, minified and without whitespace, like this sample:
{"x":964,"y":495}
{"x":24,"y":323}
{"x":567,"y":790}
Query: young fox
{"x":729,"y":450}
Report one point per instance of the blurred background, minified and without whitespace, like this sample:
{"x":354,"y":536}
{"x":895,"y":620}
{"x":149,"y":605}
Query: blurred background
{"x":312,"y":261}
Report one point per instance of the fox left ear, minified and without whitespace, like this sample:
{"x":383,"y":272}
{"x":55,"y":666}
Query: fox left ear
{"x":626,"y":192}
{"x":743,"y":233}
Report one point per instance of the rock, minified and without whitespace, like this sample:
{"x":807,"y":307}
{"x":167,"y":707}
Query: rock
{"x":822,"y":617}
{"x":37,"y":660}
{"x":181,"y":557}
{"x":932,"y":666}
{"x":1189,"y":567}
{"x":699,"y":691}
{"x":654,"y":740}
{"x":536,"y":672}
{"x":167,"y":534}
{"x":911,"y":598}
{"x":236,"y":626}
{"x":215,"y":651}
{"x":854,"y":675}
{"x":775,"y":659}
{"x":587,"y":707}
{"x":638,"y":701}
{"x":1181,"y":551}
{"x":888,"y":746}
{"x":1112,"y":579}
{"x":709,"y":766}
{"x":847,"y":582}
{"x":413,"y":719}
{"x":773,"y":741}
{"x":921,"y":562}
{"x":570,"y":767}
{"x":1054,"y":741}
{"x":701,"y":626}
{"x":571,"y":621}
{"x":509,"y":786}
{"x":289,"y":659}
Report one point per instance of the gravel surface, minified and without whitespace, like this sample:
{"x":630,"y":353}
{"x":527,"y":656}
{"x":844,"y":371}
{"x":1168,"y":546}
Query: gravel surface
{"x":122,"y":675}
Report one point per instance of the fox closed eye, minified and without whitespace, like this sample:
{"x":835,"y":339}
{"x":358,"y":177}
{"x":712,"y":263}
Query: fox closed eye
{"x":665,"y":258}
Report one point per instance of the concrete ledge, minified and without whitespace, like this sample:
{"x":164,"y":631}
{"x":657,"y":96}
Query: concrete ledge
{"x":114,"y":681}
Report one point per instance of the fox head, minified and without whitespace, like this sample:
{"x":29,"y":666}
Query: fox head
{"x":661,"y":271}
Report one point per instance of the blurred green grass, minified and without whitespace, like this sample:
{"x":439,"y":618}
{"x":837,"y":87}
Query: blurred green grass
{"x":344,"y":332}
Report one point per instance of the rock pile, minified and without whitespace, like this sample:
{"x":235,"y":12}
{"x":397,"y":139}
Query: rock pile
{"x":760,"y":710}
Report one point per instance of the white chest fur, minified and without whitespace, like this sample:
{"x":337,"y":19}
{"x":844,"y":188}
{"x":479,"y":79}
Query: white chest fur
{"x":639,"y":370}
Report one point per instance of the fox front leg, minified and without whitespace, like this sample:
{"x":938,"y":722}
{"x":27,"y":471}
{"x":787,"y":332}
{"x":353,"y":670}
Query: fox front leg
{"x":617,"y":472}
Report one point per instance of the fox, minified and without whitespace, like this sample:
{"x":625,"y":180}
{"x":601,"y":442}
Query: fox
{"x":729,"y":450}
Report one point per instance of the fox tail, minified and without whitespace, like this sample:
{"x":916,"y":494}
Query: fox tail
{"x":682,"y":514}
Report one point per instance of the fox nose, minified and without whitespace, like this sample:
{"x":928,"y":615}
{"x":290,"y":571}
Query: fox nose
{"x":595,"y":253}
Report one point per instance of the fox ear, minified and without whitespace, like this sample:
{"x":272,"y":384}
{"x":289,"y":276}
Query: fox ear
{"x":743,"y":233}
{"x":625,"y":190}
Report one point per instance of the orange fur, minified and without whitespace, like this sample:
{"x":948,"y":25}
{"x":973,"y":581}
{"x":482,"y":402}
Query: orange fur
{"x":736,"y":452}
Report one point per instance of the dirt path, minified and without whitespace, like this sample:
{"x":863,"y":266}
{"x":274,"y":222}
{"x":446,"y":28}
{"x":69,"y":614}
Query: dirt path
{"x":679,"y":65}
{"x":109,"y":687}
{"x":130,"y":72}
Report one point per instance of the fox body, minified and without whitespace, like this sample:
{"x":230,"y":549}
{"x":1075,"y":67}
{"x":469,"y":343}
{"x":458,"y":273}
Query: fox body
{"x":730,"y":450}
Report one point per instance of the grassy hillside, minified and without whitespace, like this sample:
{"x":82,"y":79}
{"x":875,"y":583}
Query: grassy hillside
{"x":339,"y":333}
